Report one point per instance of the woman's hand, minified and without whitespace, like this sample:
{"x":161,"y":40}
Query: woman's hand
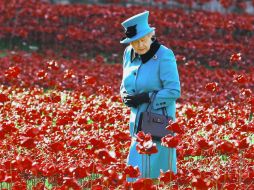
{"x":135,"y":100}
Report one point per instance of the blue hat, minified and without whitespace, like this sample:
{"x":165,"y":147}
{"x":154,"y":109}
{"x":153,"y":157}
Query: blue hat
{"x":136,"y":27}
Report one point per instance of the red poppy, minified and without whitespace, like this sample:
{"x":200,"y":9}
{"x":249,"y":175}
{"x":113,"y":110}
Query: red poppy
{"x":170,"y":141}
{"x":203,"y":144}
{"x":112,"y":178}
{"x":68,"y":73}
{"x":27,"y":142}
{"x":213,"y":63}
{"x":243,"y":143}
{"x":90,"y":80}
{"x":32,"y":131}
{"x":143,"y":184}
{"x":146,"y":147}
{"x":2,"y":175}
{"x":104,"y":156}
{"x":19,"y":185}
{"x":3,"y":98}
{"x":42,"y":75}
{"x":175,"y":127}
{"x":246,"y":92}
{"x":226,"y":3}
{"x":53,"y":65}
{"x":249,"y":153}
{"x":12,"y":73}
{"x":167,"y":176}
{"x":80,"y":172}
{"x":71,"y":183}
{"x":132,"y":172}
{"x":191,"y":63}
{"x":141,"y":137}
{"x":24,"y":163}
{"x":236,"y":57}
{"x":225,"y":147}
{"x":212,"y":87}
{"x":240,"y":79}
{"x":200,"y":183}
{"x":190,"y":113}
{"x":55,"y":98}
{"x":121,"y":136}
{"x":97,"y":143}
{"x":57,"y":146}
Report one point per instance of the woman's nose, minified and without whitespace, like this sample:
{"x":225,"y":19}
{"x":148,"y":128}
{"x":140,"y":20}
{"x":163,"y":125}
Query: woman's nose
{"x":140,"y":43}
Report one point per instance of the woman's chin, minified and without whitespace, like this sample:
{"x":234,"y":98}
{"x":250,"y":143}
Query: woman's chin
{"x":141,"y":52}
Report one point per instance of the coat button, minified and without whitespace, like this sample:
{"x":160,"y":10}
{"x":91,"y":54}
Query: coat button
{"x":135,"y":73}
{"x":133,"y":90}
{"x":155,"y":57}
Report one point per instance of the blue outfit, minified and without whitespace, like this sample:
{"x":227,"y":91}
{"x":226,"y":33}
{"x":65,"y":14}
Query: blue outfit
{"x":155,"y":70}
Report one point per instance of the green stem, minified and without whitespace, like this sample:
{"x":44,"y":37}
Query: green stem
{"x":251,"y":115}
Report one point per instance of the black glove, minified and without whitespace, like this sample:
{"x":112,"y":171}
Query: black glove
{"x":135,"y":100}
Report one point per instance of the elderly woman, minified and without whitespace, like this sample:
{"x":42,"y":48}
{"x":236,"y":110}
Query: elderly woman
{"x":148,"y":66}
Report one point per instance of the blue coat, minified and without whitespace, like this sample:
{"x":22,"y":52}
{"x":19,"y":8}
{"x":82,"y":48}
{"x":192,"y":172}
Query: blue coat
{"x":157,"y":70}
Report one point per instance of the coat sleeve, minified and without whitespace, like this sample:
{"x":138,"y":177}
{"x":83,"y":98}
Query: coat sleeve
{"x":169,"y":77}
{"x":122,"y":89}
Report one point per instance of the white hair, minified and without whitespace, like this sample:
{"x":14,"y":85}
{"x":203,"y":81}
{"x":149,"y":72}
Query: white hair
{"x":152,"y":33}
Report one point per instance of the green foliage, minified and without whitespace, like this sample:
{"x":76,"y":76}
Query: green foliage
{"x":17,"y":43}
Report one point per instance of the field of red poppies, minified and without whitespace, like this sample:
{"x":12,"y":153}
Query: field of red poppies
{"x":63,"y":124}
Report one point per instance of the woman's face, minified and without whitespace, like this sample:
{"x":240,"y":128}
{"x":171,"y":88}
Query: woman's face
{"x":142,"y":45}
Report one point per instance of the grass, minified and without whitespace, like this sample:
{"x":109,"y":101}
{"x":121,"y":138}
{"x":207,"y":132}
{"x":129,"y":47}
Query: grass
{"x":251,"y":116}
{"x":17,"y":43}
{"x":29,"y":186}
{"x":252,"y":139}
{"x":32,"y":183}
{"x":3,"y":54}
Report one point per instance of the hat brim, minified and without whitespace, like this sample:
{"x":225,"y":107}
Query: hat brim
{"x":140,"y":35}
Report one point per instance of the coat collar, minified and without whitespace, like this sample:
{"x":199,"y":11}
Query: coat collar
{"x":148,"y":55}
